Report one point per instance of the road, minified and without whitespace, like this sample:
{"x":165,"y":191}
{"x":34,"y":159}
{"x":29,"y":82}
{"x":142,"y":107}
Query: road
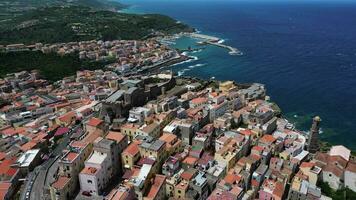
{"x":44,"y":174}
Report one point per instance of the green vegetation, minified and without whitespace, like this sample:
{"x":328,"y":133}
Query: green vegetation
{"x":56,"y":21}
{"x":343,"y":194}
{"x":51,"y":66}
{"x":11,"y":8}
{"x":277,"y":109}
{"x":77,"y":23}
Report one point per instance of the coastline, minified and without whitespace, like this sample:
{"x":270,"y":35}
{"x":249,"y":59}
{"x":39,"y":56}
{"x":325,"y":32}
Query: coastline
{"x":333,"y":133}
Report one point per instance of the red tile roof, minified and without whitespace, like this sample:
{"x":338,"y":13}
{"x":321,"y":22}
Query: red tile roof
{"x":61,"y":131}
{"x":68,"y":117}
{"x":95,"y":122}
{"x":132,"y":149}
{"x":4,"y":188}
{"x":89,"y":170}
{"x":9,"y":132}
{"x":190,"y":160}
{"x":307,"y":165}
{"x":187,"y":175}
{"x":61,"y":182}
{"x":231,"y":178}
{"x":71,"y":156}
{"x":199,"y":100}
{"x":156,"y":187}
{"x":116,"y":136}
{"x":268,"y":139}
{"x":5,"y":166}
{"x":351,"y":167}
{"x":29,"y":145}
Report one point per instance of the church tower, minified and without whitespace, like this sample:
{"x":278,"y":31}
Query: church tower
{"x":313,"y":140}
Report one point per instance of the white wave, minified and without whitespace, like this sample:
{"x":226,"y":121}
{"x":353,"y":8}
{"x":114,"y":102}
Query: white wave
{"x":193,"y":58}
{"x":196,"y":65}
{"x":185,"y":53}
{"x":197,"y":51}
{"x":181,"y":72}
{"x":221,"y":41}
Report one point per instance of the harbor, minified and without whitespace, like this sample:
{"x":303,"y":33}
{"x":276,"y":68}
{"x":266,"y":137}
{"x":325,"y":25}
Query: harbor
{"x":211,"y":40}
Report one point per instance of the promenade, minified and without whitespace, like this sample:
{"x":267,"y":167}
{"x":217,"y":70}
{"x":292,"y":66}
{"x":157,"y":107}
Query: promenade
{"x":211,"y":40}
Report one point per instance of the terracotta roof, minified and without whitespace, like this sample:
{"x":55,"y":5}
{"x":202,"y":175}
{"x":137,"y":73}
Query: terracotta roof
{"x":29,"y":145}
{"x":132,"y":149}
{"x":255,"y":183}
{"x":307,"y":165}
{"x":89,"y":170}
{"x":68,"y":117}
{"x":61,"y":131}
{"x":71,"y":156}
{"x":334,"y":169}
{"x":190,"y":160}
{"x":61,"y":182}
{"x":279,"y":189}
{"x":95,"y":122}
{"x":116,"y":136}
{"x":168,"y":138}
{"x":268,"y":139}
{"x":246,"y":132}
{"x":257,"y":148}
{"x":351,"y":166}
{"x":78,"y":144}
{"x":199,"y":100}
{"x":9,"y":132}
{"x":231,"y":178}
{"x":91,"y":137}
{"x":187,"y":175}
{"x":5,"y":165}
{"x":4,"y":188}
{"x":130,"y":126}
{"x":156,"y":186}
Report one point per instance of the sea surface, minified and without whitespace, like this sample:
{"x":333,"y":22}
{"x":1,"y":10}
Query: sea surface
{"x":303,"y":51}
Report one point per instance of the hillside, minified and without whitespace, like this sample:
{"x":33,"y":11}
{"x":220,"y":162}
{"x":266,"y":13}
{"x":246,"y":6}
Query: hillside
{"x":51,"y":66}
{"x":75,"y":23}
{"x":11,"y":8}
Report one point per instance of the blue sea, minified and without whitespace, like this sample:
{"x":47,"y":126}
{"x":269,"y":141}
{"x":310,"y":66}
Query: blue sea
{"x":303,"y":51}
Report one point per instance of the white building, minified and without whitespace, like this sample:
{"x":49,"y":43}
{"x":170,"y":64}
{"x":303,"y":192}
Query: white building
{"x":139,"y":114}
{"x":94,"y":178}
{"x":350,"y":176}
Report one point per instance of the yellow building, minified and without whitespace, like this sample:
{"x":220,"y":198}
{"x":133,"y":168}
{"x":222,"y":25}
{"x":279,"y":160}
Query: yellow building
{"x":181,"y":189}
{"x":130,"y":130}
{"x":130,"y":155}
{"x":152,"y":130}
{"x":227,"y":155}
{"x":173,"y":143}
{"x":226,"y":86}
{"x":62,"y":189}
{"x":153,"y":149}
{"x":284,"y":155}
{"x":311,"y":170}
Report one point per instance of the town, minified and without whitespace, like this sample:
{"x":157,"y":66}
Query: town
{"x":102,"y":135}
{"x":122,"y":56}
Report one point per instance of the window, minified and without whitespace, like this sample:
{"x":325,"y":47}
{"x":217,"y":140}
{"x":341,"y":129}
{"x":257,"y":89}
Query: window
{"x":179,"y":191}
{"x":90,"y":181}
